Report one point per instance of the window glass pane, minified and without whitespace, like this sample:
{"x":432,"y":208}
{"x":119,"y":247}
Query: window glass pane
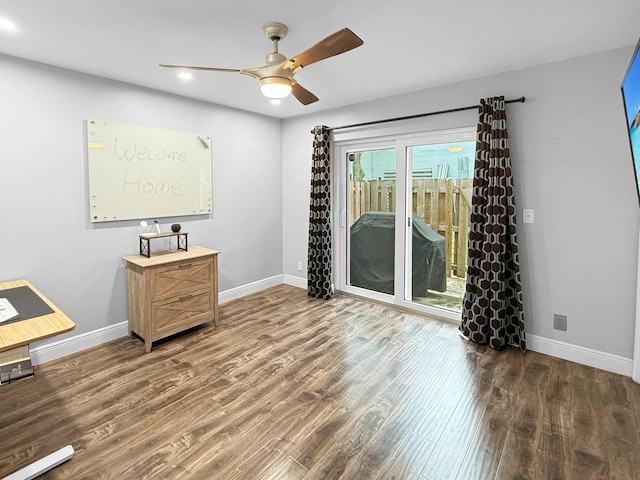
{"x":371,"y":207}
{"x":440,"y":182}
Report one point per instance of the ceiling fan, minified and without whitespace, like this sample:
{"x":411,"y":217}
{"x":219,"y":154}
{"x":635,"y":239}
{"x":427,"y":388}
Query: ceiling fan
{"x":276,"y":77}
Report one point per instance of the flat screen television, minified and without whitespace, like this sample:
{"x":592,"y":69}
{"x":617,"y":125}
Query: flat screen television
{"x":631,"y":98}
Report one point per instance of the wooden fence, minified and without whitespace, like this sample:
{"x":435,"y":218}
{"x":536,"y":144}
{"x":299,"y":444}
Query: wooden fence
{"x":443,"y":204}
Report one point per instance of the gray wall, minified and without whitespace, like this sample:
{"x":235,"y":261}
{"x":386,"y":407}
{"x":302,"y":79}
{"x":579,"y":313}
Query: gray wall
{"x":47,"y":237}
{"x":571,"y":163}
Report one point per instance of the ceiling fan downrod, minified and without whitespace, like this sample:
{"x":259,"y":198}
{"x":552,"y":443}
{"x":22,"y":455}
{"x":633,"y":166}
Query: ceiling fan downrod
{"x":275,"y":32}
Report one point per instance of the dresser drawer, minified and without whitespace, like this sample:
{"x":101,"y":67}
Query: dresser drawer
{"x":180,"y":278}
{"x":186,"y":311}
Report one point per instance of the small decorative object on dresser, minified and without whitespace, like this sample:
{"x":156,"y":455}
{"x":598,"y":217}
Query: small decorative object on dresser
{"x":176,"y":227}
{"x":171,"y":292}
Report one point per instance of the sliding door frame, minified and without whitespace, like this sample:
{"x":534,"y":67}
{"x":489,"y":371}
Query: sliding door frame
{"x":341,"y":237}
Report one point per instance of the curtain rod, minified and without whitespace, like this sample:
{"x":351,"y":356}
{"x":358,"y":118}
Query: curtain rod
{"x":451,"y":110}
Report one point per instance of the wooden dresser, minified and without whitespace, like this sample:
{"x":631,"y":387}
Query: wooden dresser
{"x":171,"y":292}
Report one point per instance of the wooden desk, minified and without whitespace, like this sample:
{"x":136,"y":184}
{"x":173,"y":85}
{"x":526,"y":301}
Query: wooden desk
{"x":17,"y":336}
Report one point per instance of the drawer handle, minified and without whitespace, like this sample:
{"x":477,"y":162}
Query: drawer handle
{"x":182,"y":299}
{"x":185,"y":265}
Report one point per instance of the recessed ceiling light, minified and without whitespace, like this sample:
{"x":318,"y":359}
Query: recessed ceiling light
{"x":455,"y":149}
{"x":185,"y":75}
{"x":7,"y":24}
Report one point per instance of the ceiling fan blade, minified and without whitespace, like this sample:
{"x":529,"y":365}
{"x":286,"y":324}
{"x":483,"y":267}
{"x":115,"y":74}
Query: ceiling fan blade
{"x":303,"y":95}
{"x":212,"y":69}
{"x":340,"y":42}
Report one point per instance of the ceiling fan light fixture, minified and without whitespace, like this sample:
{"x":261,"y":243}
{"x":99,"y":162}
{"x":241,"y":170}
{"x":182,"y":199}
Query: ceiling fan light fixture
{"x":275,"y":87}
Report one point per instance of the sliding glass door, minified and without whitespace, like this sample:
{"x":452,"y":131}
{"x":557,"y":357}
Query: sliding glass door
{"x":403,"y":219}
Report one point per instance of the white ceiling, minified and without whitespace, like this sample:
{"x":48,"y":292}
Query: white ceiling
{"x":408,"y":44}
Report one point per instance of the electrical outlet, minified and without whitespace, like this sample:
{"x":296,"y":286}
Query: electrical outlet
{"x":560,"y":322}
{"x":299,"y":266}
{"x":527,"y":215}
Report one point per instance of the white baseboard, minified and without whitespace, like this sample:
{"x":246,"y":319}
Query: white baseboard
{"x":582,"y":355}
{"x":295,"y":281}
{"x":574,"y":353}
{"x":66,"y":346}
{"x":249,"y":288}
{"x":60,"y":348}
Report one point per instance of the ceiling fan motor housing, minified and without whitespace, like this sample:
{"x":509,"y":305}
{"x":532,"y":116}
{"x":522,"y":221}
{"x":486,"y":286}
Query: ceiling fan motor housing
{"x":274,"y":58}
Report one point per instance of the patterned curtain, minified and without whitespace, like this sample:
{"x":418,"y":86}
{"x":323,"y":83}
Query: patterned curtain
{"x":492,"y":307}
{"x":319,"y":272}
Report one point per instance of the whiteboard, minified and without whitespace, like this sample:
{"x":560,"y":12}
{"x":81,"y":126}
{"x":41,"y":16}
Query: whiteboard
{"x":141,"y":172}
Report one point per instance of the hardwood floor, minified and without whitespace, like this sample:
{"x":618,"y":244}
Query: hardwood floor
{"x":288,"y":387}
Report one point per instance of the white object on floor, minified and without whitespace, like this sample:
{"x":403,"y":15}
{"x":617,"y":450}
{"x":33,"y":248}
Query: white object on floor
{"x":43,"y":465}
